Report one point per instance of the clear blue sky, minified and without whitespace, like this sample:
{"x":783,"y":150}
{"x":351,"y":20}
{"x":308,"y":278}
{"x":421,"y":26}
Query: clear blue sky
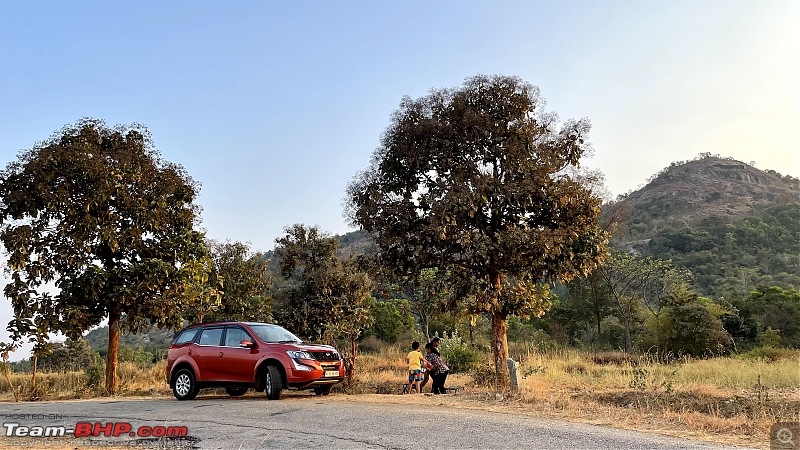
{"x":274,"y":106}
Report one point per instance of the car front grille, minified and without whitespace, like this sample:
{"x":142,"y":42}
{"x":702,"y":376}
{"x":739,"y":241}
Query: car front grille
{"x":326,"y":356}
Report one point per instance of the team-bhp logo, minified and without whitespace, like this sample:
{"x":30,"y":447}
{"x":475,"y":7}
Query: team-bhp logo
{"x":94,"y":429}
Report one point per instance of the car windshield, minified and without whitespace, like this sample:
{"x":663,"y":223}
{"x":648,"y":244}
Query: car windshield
{"x":274,"y":334}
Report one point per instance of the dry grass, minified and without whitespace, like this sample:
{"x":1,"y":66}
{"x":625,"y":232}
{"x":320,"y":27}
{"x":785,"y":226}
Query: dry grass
{"x":134,"y":381}
{"x":727,"y":400}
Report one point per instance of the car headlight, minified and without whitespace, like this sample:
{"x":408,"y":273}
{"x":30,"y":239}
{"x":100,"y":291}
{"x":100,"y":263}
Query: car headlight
{"x":299,"y":355}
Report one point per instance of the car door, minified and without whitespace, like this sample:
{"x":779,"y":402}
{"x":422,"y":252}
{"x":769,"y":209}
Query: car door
{"x":239,"y":362}
{"x":208,"y":354}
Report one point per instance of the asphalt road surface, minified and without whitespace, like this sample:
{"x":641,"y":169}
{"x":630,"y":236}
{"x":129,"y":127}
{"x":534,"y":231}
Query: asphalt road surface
{"x":325,"y":423}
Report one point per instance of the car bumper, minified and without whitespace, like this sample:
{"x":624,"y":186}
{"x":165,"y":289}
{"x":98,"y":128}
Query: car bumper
{"x":301,"y":379}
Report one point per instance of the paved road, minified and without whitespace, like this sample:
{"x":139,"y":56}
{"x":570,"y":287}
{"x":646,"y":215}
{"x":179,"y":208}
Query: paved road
{"x":332,"y":423}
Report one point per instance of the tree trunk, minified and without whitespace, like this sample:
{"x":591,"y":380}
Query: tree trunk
{"x":472,"y":322}
{"x":33,"y":376}
{"x":628,"y":340}
{"x":598,"y":310}
{"x":500,"y":348}
{"x":7,"y":373}
{"x":112,"y":382}
{"x":499,"y":338}
{"x":354,"y":352}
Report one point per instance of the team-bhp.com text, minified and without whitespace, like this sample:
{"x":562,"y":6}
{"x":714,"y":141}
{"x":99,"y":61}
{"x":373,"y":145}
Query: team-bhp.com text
{"x":94,"y":429}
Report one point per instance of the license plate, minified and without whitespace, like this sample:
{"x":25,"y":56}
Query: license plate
{"x":331,"y":373}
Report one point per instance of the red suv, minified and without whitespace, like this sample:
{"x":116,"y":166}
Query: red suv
{"x":243,"y":355}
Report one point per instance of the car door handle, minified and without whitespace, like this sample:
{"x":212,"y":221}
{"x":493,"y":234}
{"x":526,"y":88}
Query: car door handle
{"x":220,"y":355}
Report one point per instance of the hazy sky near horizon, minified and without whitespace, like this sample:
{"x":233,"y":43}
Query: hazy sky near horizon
{"x":274,"y":106}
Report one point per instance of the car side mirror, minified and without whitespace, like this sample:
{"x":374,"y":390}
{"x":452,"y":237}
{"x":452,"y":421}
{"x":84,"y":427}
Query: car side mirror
{"x":246,"y":343}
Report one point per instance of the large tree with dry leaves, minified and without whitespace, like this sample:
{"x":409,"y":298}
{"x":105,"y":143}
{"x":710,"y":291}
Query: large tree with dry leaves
{"x":97,"y":226}
{"x":480,"y":180}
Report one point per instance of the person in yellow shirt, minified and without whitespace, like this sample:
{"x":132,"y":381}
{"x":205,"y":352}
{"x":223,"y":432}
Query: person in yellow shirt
{"x":415,"y":362}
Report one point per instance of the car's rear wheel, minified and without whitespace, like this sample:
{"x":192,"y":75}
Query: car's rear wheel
{"x":236,"y":392}
{"x":273,"y":383}
{"x":185,"y":386}
{"x":322,"y":390}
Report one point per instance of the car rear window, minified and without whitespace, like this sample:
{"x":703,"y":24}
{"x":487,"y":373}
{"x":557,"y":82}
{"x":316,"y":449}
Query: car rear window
{"x":185,"y":337}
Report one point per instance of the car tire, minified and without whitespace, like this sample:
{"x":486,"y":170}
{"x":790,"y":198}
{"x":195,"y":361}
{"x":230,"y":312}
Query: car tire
{"x":236,"y":392}
{"x":273,"y":383}
{"x":185,"y":386}
{"x":322,"y":390}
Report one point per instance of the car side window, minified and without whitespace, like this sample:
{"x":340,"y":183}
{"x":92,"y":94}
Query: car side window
{"x":211,"y":336}
{"x":185,"y":337}
{"x":234,"y":335}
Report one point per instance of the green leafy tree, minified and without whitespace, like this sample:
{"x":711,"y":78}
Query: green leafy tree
{"x":634,"y":283}
{"x":324,"y":297}
{"x":392,"y":318}
{"x":479,"y":179}
{"x":690,"y":327}
{"x":773,"y":308}
{"x":73,"y":355}
{"x":246,"y":280}
{"x":97,"y":214}
{"x":583,"y":309}
{"x":427,"y":294}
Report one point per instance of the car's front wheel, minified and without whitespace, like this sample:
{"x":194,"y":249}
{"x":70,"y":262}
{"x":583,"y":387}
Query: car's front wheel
{"x":185,"y":386}
{"x":273,"y":383}
{"x":236,"y":392}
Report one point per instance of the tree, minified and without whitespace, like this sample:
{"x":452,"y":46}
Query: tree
{"x":690,"y":328}
{"x":324,"y":296}
{"x":97,"y":214}
{"x":634,"y":282}
{"x":478,"y":179}
{"x":776,"y":308}
{"x":392,"y":317}
{"x":5,"y":349}
{"x":246,"y":280}
{"x":73,"y":355}
{"x":426,"y":294}
{"x":587,"y":302}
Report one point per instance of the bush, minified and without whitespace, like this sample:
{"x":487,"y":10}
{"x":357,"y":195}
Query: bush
{"x":614,"y":358}
{"x":371,"y":344}
{"x":770,"y":354}
{"x":457,"y":354}
{"x":484,"y":375}
{"x":95,"y":375}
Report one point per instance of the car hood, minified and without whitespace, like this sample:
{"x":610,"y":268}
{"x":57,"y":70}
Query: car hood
{"x":311,"y":347}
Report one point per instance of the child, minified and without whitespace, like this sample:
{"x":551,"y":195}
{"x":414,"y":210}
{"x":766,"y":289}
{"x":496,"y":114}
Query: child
{"x":415,"y":361}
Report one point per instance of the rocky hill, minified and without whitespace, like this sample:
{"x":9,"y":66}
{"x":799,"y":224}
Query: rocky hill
{"x":687,"y":192}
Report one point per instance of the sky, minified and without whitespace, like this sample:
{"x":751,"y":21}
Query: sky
{"x":274,"y":106}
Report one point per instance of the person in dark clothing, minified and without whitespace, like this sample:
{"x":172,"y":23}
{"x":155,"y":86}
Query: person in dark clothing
{"x":439,"y":369}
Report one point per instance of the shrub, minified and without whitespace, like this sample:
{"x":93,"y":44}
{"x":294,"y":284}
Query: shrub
{"x":615,"y":358}
{"x":371,"y":344}
{"x":95,"y":375}
{"x":457,"y":354}
{"x":484,"y":375}
{"x":770,"y":354}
